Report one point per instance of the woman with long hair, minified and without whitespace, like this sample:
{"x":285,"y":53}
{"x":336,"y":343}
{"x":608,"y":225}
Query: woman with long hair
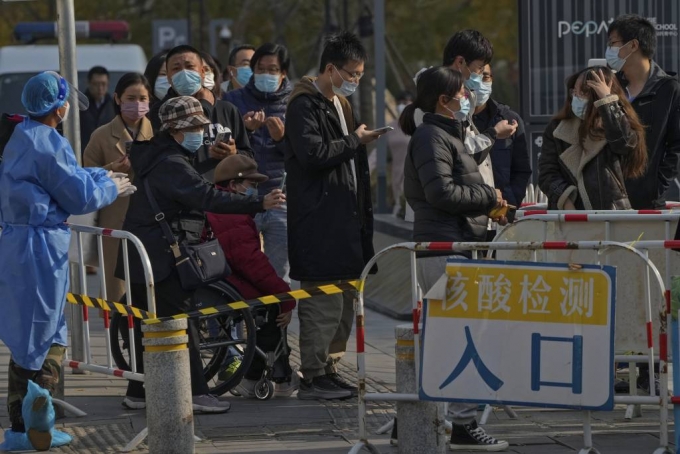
{"x":593,"y":144}
{"x":109,"y":148}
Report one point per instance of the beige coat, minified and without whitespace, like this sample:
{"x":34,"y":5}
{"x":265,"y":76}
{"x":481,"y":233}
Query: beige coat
{"x":107,"y":145}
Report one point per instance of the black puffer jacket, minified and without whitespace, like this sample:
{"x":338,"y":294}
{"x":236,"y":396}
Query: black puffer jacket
{"x":330,"y":222}
{"x":443,"y":185}
{"x":658,"y":106}
{"x":591,"y":179}
{"x":178,"y":188}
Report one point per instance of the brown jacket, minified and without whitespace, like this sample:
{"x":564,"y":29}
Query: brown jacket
{"x":107,"y":145}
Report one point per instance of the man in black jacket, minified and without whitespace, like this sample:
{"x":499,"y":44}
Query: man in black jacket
{"x":100,"y":110}
{"x":185,"y":74}
{"x":655,"y":96}
{"x":509,"y":156}
{"x":330,"y":215}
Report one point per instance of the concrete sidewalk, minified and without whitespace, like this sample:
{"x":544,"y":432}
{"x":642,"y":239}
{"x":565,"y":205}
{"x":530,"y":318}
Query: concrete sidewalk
{"x":292,"y":426}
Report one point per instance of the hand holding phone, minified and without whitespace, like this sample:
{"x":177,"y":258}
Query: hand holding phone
{"x":383,"y":130}
{"x":223,"y":137}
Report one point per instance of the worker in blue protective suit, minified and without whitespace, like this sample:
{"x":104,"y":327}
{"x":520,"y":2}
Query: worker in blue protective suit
{"x":41,"y":185}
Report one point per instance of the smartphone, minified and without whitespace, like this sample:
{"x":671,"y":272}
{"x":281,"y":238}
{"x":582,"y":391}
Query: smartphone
{"x":223,"y":137}
{"x":501,"y":211}
{"x":384,"y":129}
{"x":283,"y":181}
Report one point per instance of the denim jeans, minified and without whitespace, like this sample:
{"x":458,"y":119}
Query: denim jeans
{"x":430,"y":269}
{"x":273,"y":224}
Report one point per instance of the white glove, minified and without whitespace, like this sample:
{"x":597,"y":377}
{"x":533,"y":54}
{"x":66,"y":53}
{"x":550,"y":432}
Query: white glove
{"x":122,"y":183}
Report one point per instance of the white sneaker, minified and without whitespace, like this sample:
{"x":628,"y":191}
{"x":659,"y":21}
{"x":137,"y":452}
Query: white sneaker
{"x":207,"y":403}
{"x":286,"y":389}
{"x":246,"y":388}
{"x":134,"y":403}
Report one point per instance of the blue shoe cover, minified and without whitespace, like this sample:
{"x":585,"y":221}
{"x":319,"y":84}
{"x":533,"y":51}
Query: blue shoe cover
{"x":40,"y":418}
{"x":18,"y":441}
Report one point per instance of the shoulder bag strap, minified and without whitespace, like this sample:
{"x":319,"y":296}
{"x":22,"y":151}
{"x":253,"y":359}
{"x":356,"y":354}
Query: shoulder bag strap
{"x":159,"y":216}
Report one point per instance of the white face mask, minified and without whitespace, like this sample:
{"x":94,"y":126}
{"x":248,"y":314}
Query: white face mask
{"x":209,"y":81}
{"x":68,"y":107}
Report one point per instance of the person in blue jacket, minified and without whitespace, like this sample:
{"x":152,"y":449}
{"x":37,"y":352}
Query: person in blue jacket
{"x":41,"y":185}
{"x":262,"y":102}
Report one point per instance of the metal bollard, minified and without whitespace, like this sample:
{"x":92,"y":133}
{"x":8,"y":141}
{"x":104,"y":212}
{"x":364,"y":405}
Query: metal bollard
{"x":169,"y":414}
{"x":420,"y":424}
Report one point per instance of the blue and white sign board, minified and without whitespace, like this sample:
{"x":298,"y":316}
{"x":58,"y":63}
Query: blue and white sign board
{"x":520,"y":333}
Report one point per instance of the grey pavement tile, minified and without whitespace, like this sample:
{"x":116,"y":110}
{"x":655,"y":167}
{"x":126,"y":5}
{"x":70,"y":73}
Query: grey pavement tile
{"x":619,"y":443}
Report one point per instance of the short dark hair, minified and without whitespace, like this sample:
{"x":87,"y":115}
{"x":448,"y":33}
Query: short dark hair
{"x":100,"y":70}
{"x":632,"y":26}
{"x":271,"y":49}
{"x":236,"y":50}
{"x":469,"y":44}
{"x":182,"y":49}
{"x":128,"y":80}
{"x":153,"y":68}
{"x":431,"y":84}
{"x":341,"y":48}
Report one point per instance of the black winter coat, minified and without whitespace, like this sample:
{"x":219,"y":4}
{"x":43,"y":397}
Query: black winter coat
{"x":330,"y":222}
{"x":509,"y":157}
{"x":658,"y":106}
{"x":178,"y":188}
{"x":268,"y":153}
{"x":95,"y":117}
{"x":443,"y":185}
{"x":593,"y":178}
{"x":222,"y":113}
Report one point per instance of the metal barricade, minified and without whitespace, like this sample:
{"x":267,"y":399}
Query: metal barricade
{"x":125,"y":237}
{"x":640,"y":251}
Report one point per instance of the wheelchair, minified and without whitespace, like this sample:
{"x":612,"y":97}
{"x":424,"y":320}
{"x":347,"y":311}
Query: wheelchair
{"x":221,"y":335}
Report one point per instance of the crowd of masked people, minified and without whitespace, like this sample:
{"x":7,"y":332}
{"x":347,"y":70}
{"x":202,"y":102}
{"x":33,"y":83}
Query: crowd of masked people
{"x":196,"y":138}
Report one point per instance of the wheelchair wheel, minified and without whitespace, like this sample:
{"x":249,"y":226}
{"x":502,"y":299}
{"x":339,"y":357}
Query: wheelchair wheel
{"x":264,"y":389}
{"x":221,"y":336}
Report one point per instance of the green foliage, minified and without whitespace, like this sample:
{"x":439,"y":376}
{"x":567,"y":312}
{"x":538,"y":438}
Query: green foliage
{"x":418,"y":29}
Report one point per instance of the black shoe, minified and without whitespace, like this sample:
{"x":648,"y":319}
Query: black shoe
{"x":322,"y":387}
{"x":621,"y":387}
{"x":394,"y":438}
{"x":344,"y":384}
{"x":15,"y":417}
{"x":471,"y":437}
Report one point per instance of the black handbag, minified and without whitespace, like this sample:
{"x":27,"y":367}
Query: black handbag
{"x":198,"y":264}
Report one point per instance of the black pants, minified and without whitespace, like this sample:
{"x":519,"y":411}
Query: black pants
{"x":171,"y":299}
{"x":268,"y":337}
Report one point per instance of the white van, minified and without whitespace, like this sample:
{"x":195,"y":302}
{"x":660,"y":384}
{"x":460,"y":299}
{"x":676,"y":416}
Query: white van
{"x":19,"y":63}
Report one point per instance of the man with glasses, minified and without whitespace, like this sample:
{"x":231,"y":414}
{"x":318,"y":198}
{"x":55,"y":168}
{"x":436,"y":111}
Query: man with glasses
{"x":330,"y":215}
{"x":262,"y":102}
{"x":655,"y":96}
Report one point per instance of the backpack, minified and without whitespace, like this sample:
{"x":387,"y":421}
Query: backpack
{"x":7,"y":124}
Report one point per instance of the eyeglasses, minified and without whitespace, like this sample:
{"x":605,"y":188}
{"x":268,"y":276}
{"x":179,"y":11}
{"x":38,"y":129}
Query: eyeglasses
{"x":273,"y":70}
{"x":356,"y":77}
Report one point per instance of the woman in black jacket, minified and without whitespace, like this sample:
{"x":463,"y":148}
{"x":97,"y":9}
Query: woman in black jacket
{"x":593,"y":144}
{"x":164,"y":163}
{"x":451,"y":202}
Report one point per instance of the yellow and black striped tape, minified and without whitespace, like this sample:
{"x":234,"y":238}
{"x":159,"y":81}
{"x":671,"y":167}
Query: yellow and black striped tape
{"x":263,"y":300}
{"x":110,"y":306}
{"x":150,"y":318}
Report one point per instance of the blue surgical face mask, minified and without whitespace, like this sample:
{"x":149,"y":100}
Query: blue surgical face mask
{"x":187,"y":82}
{"x":474,"y":82}
{"x":243,"y":75}
{"x":484,"y":93}
{"x":192,"y":141}
{"x":267,"y":83}
{"x":249,"y":192}
{"x":161,"y":87}
{"x":346,"y":89}
{"x":613,"y":60}
{"x":461,"y":115}
{"x":579,"y":106}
